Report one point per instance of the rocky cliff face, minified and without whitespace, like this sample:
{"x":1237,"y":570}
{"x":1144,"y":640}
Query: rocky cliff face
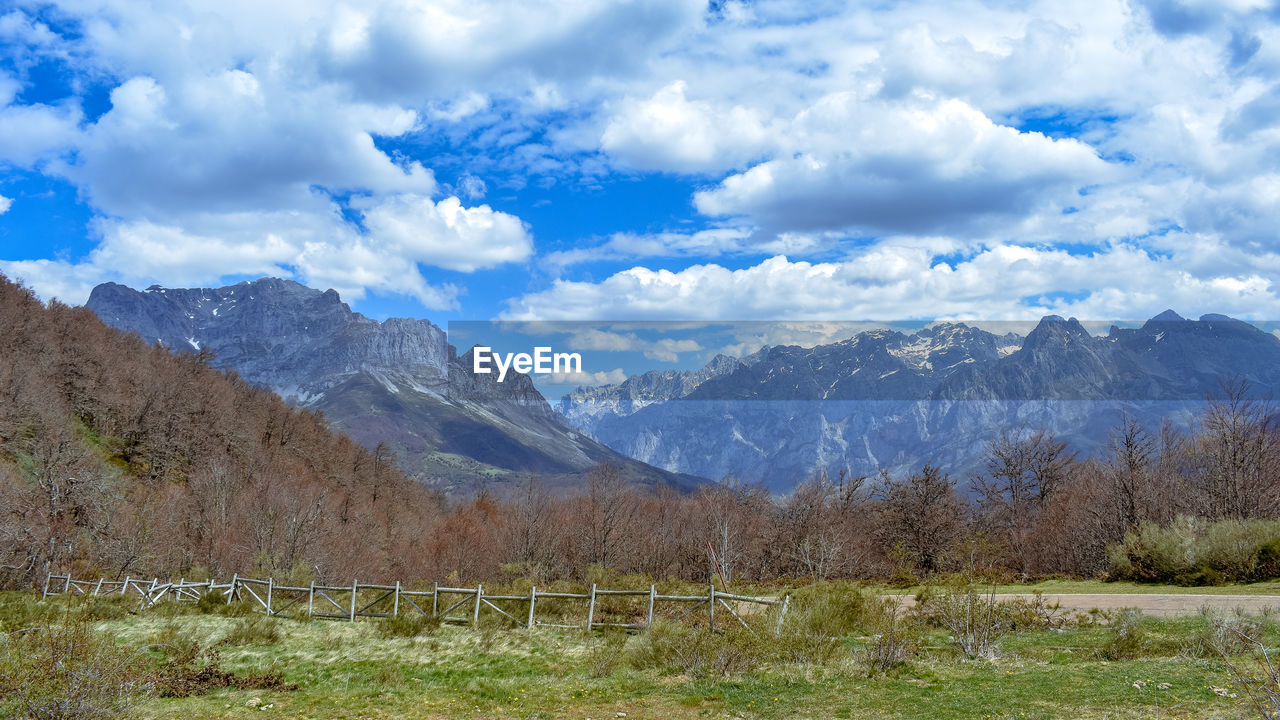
{"x":296,"y":340}
{"x":884,"y":399}
{"x":397,"y":381}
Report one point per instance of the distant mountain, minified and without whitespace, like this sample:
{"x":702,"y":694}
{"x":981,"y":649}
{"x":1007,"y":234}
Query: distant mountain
{"x":396,"y":381}
{"x":887,"y":399}
{"x":585,"y":405}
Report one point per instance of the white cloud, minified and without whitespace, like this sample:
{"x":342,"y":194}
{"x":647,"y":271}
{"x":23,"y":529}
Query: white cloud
{"x":932,"y":166}
{"x":669,"y":132}
{"x":32,"y":134}
{"x":54,"y":279}
{"x":5,"y":204}
{"x":662,"y":349}
{"x":446,"y":234}
{"x":889,"y":282}
{"x":702,"y":243}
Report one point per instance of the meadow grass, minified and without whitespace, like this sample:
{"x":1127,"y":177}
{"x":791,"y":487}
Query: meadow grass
{"x":347,"y":670}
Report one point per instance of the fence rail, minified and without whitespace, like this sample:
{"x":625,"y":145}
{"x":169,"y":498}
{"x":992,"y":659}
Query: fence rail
{"x":348,"y":602}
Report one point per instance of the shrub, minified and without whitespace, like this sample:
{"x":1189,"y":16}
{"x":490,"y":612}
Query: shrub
{"x":189,"y":669}
{"x":107,"y":608}
{"x":68,"y":671}
{"x":1126,"y":638}
{"x":830,"y":610}
{"x":605,"y":656}
{"x":20,"y":610}
{"x":1226,"y":636}
{"x":899,"y":639}
{"x":974,"y":618}
{"x":1198,"y":552}
{"x":1258,"y":676}
{"x":698,"y":652}
{"x":406,"y":626}
{"x":253,"y":630}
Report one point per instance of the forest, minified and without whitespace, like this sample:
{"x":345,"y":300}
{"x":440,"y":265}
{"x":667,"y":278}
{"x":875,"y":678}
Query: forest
{"x":121,"y":458}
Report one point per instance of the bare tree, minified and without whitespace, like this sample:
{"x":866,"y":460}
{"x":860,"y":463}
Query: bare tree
{"x":921,"y":514}
{"x":1237,"y":457}
{"x":605,"y":513}
{"x":1023,"y":473}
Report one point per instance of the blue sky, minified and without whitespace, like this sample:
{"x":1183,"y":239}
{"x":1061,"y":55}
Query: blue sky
{"x":652,"y":160}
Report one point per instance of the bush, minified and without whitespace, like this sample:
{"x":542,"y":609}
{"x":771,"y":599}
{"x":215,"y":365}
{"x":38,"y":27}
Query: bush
{"x":699,"y":653}
{"x":1198,"y":552}
{"x":974,"y":618}
{"x":605,"y":656}
{"x":406,"y":626}
{"x":68,"y":671}
{"x":1126,"y":638}
{"x":830,"y":610}
{"x":899,"y":640}
{"x":253,"y":630}
{"x":188,"y":669}
{"x":24,"y":609}
{"x":1226,"y":636}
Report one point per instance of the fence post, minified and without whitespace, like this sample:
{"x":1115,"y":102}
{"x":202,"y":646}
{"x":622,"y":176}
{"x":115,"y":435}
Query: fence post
{"x":652,"y":596}
{"x":231,"y":589}
{"x":98,"y":587}
{"x":311,"y":598}
{"x":177,"y":592}
{"x":591,"y":609}
{"x":67,"y":586}
{"x":395,"y":607}
{"x":533,"y":598}
{"x":271,"y":586}
{"x":711,"y":603}
{"x":355,"y":587}
{"x":475,"y":616}
{"x":47,"y":578}
{"x":435,"y":599}
{"x":786,"y":600}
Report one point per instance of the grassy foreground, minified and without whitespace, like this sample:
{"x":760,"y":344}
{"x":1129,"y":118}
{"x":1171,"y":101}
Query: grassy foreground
{"x":349,"y":670}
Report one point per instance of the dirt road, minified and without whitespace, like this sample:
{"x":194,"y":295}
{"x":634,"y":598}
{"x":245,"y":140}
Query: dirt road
{"x":1152,"y":604}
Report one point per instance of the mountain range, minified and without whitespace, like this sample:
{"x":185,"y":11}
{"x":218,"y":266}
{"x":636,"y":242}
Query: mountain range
{"x":879,"y":399}
{"x":397,"y":382}
{"x":894,"y":400}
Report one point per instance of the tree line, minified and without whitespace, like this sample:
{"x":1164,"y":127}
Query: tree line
{"x":121,"y":458}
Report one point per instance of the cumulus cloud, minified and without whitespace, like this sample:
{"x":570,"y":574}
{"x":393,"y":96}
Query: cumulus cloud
{"x":890,"y":282}
{"x":669,"y":132}
{"x":32,"y":134}
{"x":5,"y":204}
{"x":446,"y":234}
{"x":938,"y":166}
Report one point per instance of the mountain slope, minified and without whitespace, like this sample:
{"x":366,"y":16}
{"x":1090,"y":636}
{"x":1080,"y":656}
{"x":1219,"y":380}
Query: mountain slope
{"x":397,"y":382}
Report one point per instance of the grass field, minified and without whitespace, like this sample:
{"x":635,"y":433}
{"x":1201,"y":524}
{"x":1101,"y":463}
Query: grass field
{"x":347,"y":670}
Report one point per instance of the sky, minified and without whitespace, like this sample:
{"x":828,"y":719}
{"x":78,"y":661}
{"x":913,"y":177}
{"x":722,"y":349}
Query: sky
{"x":652,"y":160}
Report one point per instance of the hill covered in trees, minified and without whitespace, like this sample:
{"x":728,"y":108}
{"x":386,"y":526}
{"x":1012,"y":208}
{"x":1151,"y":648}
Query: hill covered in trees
{"x":120,"y":457}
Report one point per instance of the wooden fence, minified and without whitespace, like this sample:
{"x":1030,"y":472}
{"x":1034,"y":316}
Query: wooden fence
{"x":348,"y":602}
